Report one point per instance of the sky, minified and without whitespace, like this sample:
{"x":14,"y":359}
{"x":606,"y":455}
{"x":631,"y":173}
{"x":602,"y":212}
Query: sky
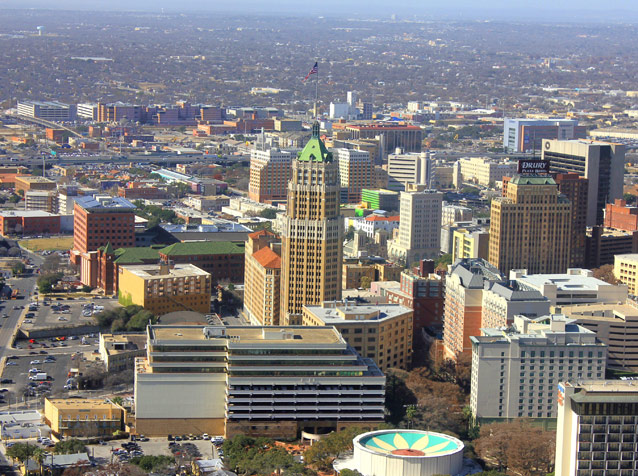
{"x":533,"y":10}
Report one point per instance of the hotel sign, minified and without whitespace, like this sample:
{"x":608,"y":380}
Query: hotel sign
{"x":533,"y":167}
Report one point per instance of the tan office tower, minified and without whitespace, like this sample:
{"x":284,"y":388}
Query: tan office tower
{"x":311,"y":236}
{"x":530,"y":227}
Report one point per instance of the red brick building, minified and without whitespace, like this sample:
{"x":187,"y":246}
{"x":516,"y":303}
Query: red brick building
{"x":29,"y":223}
{"x":95,"y":224}
{"x":621,"y":217}
{"x":424,"y":293}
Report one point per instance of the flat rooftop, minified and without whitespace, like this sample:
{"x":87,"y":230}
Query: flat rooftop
{"x":27,"y":213}
{"x":77,"y":403}
{"x":34,"y":179}
{"x":345,"y":314}
{"x":154,"y":271}
{"x":564,"y":282}
{"x":251,"y":334}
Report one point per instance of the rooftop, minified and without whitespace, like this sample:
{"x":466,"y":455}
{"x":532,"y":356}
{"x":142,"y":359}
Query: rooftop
{"x":291,"y":335}
{"x":563,"y":282}
{"x":268,"y":258}
{"x":353,"y":313}
{"x":34,"y":179}
{"x":203,"y":248}
{"x":90,"y":203}
{"x":153,"y":271}
{"x":77,"y":403}
{"x":474,"y":271}
{"x":532,"y":180}
{"x":26,"y":213}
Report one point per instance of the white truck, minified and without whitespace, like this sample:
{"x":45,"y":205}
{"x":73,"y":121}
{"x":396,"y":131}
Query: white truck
{"x":38,"y":376}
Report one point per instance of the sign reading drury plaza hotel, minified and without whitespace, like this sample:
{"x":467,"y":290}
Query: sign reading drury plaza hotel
{"x":533,"y":167}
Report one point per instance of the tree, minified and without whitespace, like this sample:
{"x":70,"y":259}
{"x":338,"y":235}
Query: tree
{"x":629,"y":198}
{"x":397,"y":395}
{"x":17,"y":268}
{"x":517,"y":447}
{"x":22,"y":451}
{"x":443,"y":261}
{"x":52,"y":263}
{"x":410,"y":414}
{"x":350,"y":472}
{"x":268,"y":213}
{"x":14,"y":251}
{"x":605,"y":273}
{"x":323,"y":453}
{"x":46,"y":281}
{"x":366,"y":282}
{"x":69,"y":447}
{"x":150,"y":463}
{"x":15,"y":198}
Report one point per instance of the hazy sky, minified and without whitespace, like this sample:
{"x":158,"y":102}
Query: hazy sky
{"x":547,"y":10}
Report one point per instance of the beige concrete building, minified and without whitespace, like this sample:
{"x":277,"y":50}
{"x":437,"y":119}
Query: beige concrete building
{"x":596,"y":427}
{"x":165,"y":288}
{"x":470,"y":243}
{"x":262,"y":282}
{"x":451,"y":214}
{"x":482,"y":171}
{"x":33,"y":182}
{"x":382,"y":332}
{"x":419,"y":234}
{"x":83,"y":417}
{"x":408,"y":168}
{"x":46,"y":201}
{"x":354,"y":272}
{"x":356,"y":170}
{"x":625,"y":271}
{"x":530,"y":227}
{"x":515,"y":371}
{"x":616,"y":324}
{"x":269,"y":173}
{"x":253,"y":380}
{"x":312,"y":232}
{"x":118,"y":351}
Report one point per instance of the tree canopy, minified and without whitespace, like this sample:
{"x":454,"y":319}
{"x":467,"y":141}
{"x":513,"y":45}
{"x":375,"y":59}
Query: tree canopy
{"x":129,"y":318}
{"x":47,"y":281}
{"x":256,"y":456}
{"x":68,"y":447}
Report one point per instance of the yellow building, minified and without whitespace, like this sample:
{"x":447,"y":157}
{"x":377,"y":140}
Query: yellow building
{"x":382,"y":332}
{"x":353,"y":273}
{"x":31,"y":182}
{"x":312,"y":232}
{"x":165,"y":288}
{"x":625,"y":271}
{"x":530,"y":226}
{"x":262,"y":278}
{"x":468,"y":243}
{"x":83,"y":417}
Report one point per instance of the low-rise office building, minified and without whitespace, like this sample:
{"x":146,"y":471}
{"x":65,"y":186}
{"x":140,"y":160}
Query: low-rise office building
{"x":33,"y":182}
{"x":616,"y":324}
{"x":165,"y":288}
{"x":515,"y":371}
{"x":382,"y":332}
{"x":83,"y":417}
{"x":118,"y":351}
{"x":596,"y":433}
{"x":577,"y":286}
{"x":602,"y":244}
{"x":263,"y":381}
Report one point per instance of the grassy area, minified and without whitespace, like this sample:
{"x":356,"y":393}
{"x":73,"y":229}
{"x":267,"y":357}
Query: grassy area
{"x":61,"y":243}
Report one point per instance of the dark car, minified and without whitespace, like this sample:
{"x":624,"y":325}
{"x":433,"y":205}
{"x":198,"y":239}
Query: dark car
{"x":6,"y":380}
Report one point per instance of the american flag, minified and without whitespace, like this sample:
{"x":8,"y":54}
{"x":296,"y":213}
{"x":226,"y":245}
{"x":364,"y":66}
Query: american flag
{"x":313,"y":70}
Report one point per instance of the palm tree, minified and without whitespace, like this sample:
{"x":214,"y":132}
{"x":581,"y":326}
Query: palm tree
{"x":38,"y":457}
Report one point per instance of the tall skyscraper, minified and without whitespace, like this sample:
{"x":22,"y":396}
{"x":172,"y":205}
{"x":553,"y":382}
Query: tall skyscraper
{"x":530,"y":226}
{"x":355,"y":173}
{"x":312,"y":232}
{"x":575,"y":187}
{"x":602,"y":163}
{"x":420,"y":227}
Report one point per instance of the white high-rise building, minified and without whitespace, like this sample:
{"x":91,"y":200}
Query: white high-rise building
{"x":516,"y":370}
{"x":408,"y":168}
{"x":87,"y":111}
{"x":419,"y":234}
{"x":48,"y":110}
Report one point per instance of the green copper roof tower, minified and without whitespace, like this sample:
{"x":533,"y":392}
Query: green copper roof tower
{"x":315,"y":150}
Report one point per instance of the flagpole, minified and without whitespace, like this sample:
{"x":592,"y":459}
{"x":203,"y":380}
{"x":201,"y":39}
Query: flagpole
{"x":317,"y":92}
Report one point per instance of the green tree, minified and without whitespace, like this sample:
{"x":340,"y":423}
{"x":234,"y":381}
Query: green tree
{"x":47,"y":281}
{"x":118,"y":400}
{"x":398,"y":397}
{"x":69,"y":447}
{"x":17,"y":268}
{"x":268,"y":213}
{"x":410,"y":414}
{"x":365,"y":282}
{"x":139,"y":321}
{"x":15,"y":198}
{"x":350,"y":233}
{"x":443,"y":261}
{"x":629,"y":198}
{"x":350,"y":472}
{"x":151,"y":463}
{"x":22,"y":451}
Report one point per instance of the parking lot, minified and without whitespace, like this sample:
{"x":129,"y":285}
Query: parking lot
{"x":61,"y":312}
{"x":155,"y":446}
